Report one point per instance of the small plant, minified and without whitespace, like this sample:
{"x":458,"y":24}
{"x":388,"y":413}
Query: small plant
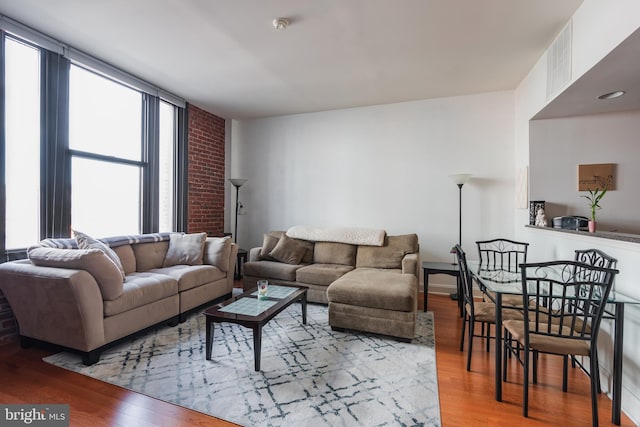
{"x":594,"y":198}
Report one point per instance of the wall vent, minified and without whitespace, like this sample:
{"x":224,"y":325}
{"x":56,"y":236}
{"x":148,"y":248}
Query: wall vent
{"x":559,"y":61}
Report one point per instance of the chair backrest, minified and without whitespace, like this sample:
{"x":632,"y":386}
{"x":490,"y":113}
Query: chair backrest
{"x":565,"y":299}
{"x":502,"y":254}
{"x":466,"y":283}
{"x":596,"y":258}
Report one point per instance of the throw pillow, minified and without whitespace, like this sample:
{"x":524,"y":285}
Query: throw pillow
{"x":268,"y":243}
{"x":185,"y":249}
{"x":217,"y":251}
{"x":87,"y":242}
{"x":93,"y":261}
{"x":287,"y":250}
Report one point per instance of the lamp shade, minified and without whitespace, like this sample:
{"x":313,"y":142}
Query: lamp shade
{"x":237,"y":182}
{"x":460,"y":178}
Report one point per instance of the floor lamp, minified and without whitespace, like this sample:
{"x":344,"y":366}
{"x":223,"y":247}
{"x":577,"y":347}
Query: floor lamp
{"x":459,"y":179}
{"x":237,"y":182}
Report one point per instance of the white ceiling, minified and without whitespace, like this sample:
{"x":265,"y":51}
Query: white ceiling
{"x":224,"y":55}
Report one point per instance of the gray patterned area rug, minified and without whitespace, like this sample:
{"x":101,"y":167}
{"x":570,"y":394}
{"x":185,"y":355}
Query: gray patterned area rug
{"x":310,"y":376}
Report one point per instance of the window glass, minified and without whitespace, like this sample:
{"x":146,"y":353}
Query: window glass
{"x":105,"y":197}
{"x":22,"y":148}
{"x":166,"y":167}
{"x":105,"y":117}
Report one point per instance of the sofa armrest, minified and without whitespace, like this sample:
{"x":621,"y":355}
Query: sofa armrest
{"x":57,"y":305}
{"x":233,"y":256}
{"x":254,"y":254}
{"x":410,"y":264}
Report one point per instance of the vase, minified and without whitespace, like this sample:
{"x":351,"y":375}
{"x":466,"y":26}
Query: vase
{"x":592,"y":226}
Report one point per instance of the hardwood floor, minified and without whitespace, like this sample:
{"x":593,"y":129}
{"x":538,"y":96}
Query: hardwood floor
{"x":466,"y":398}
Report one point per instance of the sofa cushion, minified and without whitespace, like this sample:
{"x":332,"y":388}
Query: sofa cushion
{"x":217,"y":251}
{"x":388,"y":256}
{"x":376,"y":288}
{"x":127,"y":258}
{"x":269,"y":241}
{"x":321,"y":274}
{"x":149,"y":255}
{"x":186,"y":249}
{"x":140,"y":289}
{"x":94,"y":261}
{"x":87,"y":242}
{"x":191,"y":276}
{"x":288,"y":250}
{"x":334,"y":253}
{"x":271,"y":270}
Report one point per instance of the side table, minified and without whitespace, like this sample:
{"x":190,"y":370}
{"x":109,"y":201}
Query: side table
{"x":441,"y":268}
{"x":241,"y":259}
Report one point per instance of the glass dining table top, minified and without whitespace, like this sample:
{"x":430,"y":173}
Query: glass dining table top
{"x":508,"y":282}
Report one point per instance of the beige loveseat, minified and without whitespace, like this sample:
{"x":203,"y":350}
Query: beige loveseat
{"x":87,"y":299}
{"x":371,"y":288}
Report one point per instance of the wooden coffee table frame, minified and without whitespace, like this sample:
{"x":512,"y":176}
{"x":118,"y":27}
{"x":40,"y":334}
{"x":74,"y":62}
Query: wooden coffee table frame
{"x":214,"y":315}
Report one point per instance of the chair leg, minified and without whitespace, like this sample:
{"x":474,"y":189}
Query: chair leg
{"x":488,"y":336}
{"x":470,"y":345}
{"x":535,"y":367}
{"x":594,"y":389}
{"x":525,"y":398}
{"x":597,"y":371}
{"x":464,"y":322}
{"x":565,"y":366}
{"x":506,"y":348}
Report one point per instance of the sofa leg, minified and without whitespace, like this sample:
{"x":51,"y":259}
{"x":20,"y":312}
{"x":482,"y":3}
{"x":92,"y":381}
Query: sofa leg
{"x":182,"y":317}
{"x":173,"y":322}
{"x":335,"y":328}
{"x":90,"y":357}
{"x":25,"y":342}
{"x":408,"y":340}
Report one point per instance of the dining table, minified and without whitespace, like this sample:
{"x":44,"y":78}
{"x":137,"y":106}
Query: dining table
{"x":498,"y":282}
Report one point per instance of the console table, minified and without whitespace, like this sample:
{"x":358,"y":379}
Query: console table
{"x":441,"y":268}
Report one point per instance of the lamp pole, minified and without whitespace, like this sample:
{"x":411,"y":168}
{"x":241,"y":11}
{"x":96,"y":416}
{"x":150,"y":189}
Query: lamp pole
{"x":237,"y":182}
{"x":459,"y":179}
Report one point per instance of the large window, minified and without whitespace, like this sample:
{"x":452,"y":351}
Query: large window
{"x":86,"y":146}
{"x":105,"y":141}
{"x":167,"y":148}
{"x":22,"y":144}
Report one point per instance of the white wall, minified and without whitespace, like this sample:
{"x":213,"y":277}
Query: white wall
{"x":384,"y":167}
{"x":598,"y":27}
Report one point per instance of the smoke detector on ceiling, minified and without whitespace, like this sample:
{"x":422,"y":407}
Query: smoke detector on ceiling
{"x":280,"y":24}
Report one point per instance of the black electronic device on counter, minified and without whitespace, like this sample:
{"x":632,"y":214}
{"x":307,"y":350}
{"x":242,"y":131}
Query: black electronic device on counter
{"x":571,"y":222}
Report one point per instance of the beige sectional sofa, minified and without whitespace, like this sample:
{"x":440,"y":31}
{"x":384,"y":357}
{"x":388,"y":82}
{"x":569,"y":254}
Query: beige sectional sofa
{"x":87,"y":299}
{"x":367,"y":287}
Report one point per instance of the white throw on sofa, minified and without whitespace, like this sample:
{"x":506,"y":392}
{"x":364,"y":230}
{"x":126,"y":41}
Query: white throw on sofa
{"x":86,"y":299}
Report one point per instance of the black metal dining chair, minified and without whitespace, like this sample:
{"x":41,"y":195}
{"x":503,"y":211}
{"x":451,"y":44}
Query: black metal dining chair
{"x":476,"y":311}
{"x":506,"y":255}
{"x":564,"y":302}
{"x":596,"y":258}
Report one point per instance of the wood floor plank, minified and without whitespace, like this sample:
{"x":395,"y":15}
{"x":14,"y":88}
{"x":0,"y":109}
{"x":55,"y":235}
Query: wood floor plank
{"x":466,"y":398}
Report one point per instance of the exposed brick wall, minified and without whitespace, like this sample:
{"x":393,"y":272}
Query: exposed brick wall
{"x":206,"y":172}
{"x":206,"y":191}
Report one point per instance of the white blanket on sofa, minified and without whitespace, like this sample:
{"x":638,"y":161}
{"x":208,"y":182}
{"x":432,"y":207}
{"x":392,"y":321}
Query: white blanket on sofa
{"x":351,"y":235}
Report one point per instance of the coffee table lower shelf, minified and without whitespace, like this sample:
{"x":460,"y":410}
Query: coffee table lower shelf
{"x":252,"y":313}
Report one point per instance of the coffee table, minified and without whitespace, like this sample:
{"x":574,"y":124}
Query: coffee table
{"x":247,"y":310}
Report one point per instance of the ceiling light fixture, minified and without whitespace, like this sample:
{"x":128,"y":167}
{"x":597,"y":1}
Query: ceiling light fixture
{"x":611,"y":95}
{"x":280,"y":24}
